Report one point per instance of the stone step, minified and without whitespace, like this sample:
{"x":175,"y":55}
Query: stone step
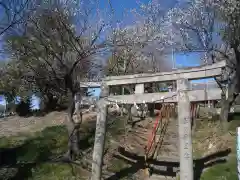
{"x":169,"y":129}
{"x":160,"y":177}
{"x":165,"y":140}
{"x":171,"y":140}
{"x":168,"y":145}
{"x":171,"y":156}
{"x":168,"y":136}
{"x":168,"y":148}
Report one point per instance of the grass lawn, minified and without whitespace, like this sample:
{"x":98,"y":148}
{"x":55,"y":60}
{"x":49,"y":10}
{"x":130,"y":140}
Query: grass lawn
{"x":26,"y":157}
{"x":225,"y":170}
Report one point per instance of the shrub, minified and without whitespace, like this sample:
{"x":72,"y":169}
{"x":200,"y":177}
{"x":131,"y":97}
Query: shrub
{"x":24,"y":107}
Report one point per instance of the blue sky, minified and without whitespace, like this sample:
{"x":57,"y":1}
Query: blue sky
{"x":120,"y":7}
{"x":181,"y":60}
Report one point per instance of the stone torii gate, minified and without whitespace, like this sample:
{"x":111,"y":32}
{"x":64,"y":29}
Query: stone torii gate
{"x":183,"y":97}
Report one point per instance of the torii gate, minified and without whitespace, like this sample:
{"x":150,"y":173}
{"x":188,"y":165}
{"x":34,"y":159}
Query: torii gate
{"x":183,"y":97}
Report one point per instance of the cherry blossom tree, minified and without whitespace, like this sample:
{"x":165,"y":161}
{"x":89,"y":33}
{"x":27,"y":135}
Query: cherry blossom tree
{"x":58,"y":48}
{"x":212,"y":29}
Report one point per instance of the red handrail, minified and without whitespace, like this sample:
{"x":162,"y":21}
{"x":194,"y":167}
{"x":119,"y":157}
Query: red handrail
{"x":153,"y":134}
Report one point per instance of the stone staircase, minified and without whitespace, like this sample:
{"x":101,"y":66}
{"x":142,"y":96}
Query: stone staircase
{"x":158,"y":177}
{"x":167,"y":156}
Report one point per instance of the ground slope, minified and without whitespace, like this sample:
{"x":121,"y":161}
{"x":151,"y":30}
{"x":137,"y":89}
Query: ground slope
{"x":27,"y":154}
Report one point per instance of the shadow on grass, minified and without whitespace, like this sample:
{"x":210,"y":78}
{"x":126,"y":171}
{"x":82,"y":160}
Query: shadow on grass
{"x":234,"y":116}
{"x":18,"y":161}
{"x":234,"y":121}
{"x":171,"y":167}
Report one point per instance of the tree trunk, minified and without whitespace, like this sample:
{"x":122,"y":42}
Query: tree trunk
{"x":224,"y":111}
{"x":48,"y":102}
{"x":151,"y":108}
{"x":230,"y":94}
{"x":129,"y":106}
{"x":51,"y":103}
{"x":228,"y":99}
{"x":73,"y":131}
{"x":237,"y":85}
{"x":232,"y":91}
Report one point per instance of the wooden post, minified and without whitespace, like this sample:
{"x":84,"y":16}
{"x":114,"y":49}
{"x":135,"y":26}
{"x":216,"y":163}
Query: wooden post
{"x":100,"y":134}
{"x":122,"y":104}
{"x":185,"y":133}
{"x":139,"y":88}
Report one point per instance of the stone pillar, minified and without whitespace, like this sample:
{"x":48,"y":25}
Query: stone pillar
{"x":139,"y":88}
{"x":185,"y":133}
{"x":100,"y":134}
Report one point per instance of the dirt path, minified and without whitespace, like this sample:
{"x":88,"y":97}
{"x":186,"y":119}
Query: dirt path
{"x":130,"y":148}
{"x":14,"y":125}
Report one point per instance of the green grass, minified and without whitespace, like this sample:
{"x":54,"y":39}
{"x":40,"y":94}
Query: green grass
{"x":219,"y":171}
{"x":54,"y":172}
{"x":27,"y":156}
{"x":115,"y":131}
{"x":226,"y":171}
{"x":233,"y":125}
